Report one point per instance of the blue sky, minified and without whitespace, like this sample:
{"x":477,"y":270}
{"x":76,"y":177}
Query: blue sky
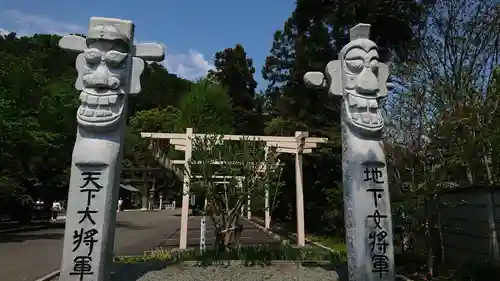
{"x":192,"y":30}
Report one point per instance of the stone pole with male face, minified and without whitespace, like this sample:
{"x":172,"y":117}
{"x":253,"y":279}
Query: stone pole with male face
{"x":109,"y":67}
{"x":361,"y":80}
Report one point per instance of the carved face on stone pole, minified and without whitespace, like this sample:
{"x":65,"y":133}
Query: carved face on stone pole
{"x":108,"y":69}
{"x":102,"y":70}
{"x":359,"y":78}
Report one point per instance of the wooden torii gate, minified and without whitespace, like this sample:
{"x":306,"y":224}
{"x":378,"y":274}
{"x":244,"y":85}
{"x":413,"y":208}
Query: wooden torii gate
{"x":299,"y":144}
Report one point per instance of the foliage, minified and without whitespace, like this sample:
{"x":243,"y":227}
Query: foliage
{"x":38,"y":104}
{"x":410,"y":265}
{"x":227,"y":176}
{"x":159,"y":89}
{"x":335,"y":243}
{"x":442,"y":119}
{"x":262,"y":255}
{"x":34,"y":123}
{"x":234,"y":70}
{"x":207,"y":108}
{"x":310,"y":38}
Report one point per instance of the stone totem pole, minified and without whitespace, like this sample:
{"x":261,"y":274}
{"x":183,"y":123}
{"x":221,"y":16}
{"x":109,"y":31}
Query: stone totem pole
{"x":361,"y":80}
{"x":109,"y":67}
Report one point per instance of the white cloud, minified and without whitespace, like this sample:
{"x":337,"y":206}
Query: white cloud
{"x":4,"y":32}
{"x":28,"y":24}
{"x":191,"y":65}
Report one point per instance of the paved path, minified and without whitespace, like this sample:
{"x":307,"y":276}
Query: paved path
{"x":250,"y":236}
{"x":29,"y":255}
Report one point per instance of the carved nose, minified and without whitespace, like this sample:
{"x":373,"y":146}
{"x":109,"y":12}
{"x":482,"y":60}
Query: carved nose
{"x":366,"y":82}
{"x":101,"y":76}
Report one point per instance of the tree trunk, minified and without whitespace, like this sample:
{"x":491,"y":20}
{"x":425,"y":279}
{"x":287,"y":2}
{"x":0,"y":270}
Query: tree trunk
{"x":469,"y":175}
{"x":228,"y":236}
{"x":428,"y":239}
{"x":440,"y":230}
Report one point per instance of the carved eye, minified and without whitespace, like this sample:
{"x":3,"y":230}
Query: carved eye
{"x":93,"y":56}
{"x":374,"y":66}
{"x":355,"y":66}
{"x":115,"y":58}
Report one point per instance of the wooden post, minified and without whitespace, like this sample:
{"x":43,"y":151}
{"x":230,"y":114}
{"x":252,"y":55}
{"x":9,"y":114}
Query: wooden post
{"x":203,"y":227}
{"x":240,"y":185}
{"x":185,"y":190}
{"x":493,"y":237}
{"x":249,"y":208}
{"x":299,"y":194}
{"x":144,"y":193}
{"x":267,"y":214}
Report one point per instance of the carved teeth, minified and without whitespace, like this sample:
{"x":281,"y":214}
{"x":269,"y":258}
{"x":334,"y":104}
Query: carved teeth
{"x":363,"y":103}
{"x":353,"y":101}
{"x":98,"y":106}
{"x":104,"y":100}
{"x":102,"y":113}
{"x":89,"y":113}
{"x":357,"y":101}
{"x":364,"y":111}
{"x":92,"y":100}
{"x":366,"y":117}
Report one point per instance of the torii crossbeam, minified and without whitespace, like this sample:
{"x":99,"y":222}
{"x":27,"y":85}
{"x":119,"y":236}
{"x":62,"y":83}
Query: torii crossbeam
{"x":299,"y":144}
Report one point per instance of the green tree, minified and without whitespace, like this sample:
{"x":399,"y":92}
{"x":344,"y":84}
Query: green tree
{"x":38,"y":104}
{"x":235,"y":71}
{"x":243,"y":164}
{"x":159,"y":89}
{"x":206,"y":108}
{"x":310,"y":38}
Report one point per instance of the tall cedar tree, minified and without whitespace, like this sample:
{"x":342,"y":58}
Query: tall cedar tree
{"x":234,"y":70}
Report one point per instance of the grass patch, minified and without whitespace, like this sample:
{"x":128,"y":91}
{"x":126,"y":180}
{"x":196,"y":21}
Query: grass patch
{"x":414,"y":266}
{"x":261,"y":255}
{"x":332,"y":242}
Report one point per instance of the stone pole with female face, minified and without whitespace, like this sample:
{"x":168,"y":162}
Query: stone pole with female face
{"x":109,"y":67}
{"x":361,"y":80}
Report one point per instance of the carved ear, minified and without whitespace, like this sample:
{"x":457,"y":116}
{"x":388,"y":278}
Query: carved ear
{"x":149,"y":51}
{"x":383,"y":75}
{"x":135,"y":79}
{"x":80,"y":67}
{"x":333,"y":72}
{"x":315,"y":79}
{"x":73,"y":43}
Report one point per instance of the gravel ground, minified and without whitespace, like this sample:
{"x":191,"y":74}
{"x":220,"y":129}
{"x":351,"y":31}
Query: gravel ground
{"x":233,"y":273}
{"x":279,"y":272}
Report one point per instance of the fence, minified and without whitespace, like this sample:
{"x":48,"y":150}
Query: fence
{"x":170,"y":206}
{"x":470,"y":220}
